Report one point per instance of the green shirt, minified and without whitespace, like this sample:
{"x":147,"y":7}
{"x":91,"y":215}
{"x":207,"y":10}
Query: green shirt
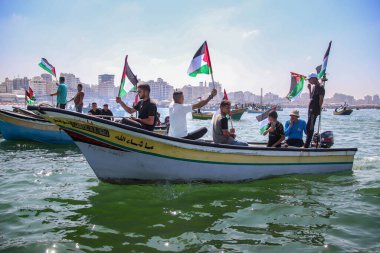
{"x":62,"y":94}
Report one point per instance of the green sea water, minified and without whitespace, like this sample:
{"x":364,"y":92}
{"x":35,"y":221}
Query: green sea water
{"x":51,"y":201}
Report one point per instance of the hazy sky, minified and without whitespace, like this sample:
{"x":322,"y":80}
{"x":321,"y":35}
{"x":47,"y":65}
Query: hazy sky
{"x":253,"y":44}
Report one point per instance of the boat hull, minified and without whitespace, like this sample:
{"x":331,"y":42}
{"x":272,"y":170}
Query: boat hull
{"x":202,"y":116}
{"x":120,"y":153}
{"x":115,"y":166}
{"x":14,"y":126}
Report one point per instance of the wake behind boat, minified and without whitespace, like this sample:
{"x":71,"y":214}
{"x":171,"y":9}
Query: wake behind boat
{"x":118,"y":153}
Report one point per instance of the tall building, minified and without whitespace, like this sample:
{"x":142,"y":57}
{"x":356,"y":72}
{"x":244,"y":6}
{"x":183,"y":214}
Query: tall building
{"x":106,"y":84}
{"x":38,"y":84}
{"x":368,"y":99}
{"x":70,"y":80}
{"x":20,"y":83}
{"x":376,"y":99}
{"x":47,"y":77}
{"x":8,"y":84}
{"x":160,"y":90}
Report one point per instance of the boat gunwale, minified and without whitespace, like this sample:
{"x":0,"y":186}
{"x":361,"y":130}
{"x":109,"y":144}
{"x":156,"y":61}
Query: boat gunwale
{"x":180,"y":140}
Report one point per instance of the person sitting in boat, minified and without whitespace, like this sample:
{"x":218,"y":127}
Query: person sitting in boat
{"x":221,"y":134}
{"x":178,"y":111}
{"x":147,"y":110}
{"x":294,"y":129}
{"x":94,"y":109}
{"x":275,"y":130}
{"x":78,"y":99}
{"x":107,"y":112}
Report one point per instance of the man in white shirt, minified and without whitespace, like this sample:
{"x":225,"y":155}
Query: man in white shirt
{"x":178,"y":111}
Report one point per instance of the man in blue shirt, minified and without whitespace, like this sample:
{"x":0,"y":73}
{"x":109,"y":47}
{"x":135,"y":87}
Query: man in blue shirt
{"x":294,"y":129}
{"x":61,"y":93}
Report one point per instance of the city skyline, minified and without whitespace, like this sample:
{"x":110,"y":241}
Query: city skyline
{"x":249,"y":48}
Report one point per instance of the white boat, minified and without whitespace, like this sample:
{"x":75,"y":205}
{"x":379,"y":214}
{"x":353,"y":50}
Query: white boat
{"x":118,"y":153}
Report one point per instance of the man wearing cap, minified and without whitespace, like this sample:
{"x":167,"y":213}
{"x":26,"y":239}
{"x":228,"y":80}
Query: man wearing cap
{"x":317,"y":93}
{"x":294,"y":129}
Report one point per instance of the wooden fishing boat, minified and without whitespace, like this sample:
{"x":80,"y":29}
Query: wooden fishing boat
{"x":120,"y":154}
{"x":235,"y":114}
{"x":17,"y":126}
{"x":343,"y":111}
{"x":202,"y":115}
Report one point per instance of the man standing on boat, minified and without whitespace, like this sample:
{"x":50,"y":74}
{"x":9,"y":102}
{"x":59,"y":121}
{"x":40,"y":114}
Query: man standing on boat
{"x":61,"y":93}
{"x":294,"y":129}
{"x":221,"y":134}
{"x":78,"y":99}
{"x":147,"y":110}
{"x":178,"y":111}
{"x":94,"y":109}
{"x":317,"y":94}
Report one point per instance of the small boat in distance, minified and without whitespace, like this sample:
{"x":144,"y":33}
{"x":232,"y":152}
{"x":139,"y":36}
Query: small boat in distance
{"x":235,"y":114}
{"x":343,"y":110}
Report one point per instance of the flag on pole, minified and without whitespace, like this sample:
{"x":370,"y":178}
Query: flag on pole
{"x":29,"y":96}
{"x":47,"y":66}
{"x":263,"y":121}
{"x":125,"y":86}
{"x":201,"y":62}
{"x":321,"y":69}
{"x":296,"y":85}
{"x":225,"y":97}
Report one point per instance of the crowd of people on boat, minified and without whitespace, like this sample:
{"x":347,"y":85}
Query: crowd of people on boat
{"x":147,"y":116}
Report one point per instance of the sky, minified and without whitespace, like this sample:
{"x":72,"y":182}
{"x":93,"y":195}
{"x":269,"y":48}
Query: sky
{"x":253,"y":44}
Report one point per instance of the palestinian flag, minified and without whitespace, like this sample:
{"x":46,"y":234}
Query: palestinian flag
{"x":225,"y":97}
{"x":321,"y":69}
{"x":136,"y":100}
{"x":296,"y":85}
{"x":125,"y":86}
{"x":201,"y":63}
{"x":47,"y":66}
{"x":263,"y":121}
{"x":29,"y":96}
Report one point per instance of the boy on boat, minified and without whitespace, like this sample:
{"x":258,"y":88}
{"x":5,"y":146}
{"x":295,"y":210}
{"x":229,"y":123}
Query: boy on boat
{"x":294,"y":129}
{"x":107,"y":112}
{"x":178,"y":111}
{"x":317,"y":93}
{"x":221,"y":134}
{"x":94,"y":109}
{"x":275,"y":130}
{"x":78,"y":99}
{"x":61,"y":93}
{"x":147,"y":110}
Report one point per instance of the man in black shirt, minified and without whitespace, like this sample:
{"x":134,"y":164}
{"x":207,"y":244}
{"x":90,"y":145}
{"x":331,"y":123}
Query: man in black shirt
{"x":147,"y":110}
{"x":94,"y":109}
{"x":107,"y":112}
{"x":317,"y":94}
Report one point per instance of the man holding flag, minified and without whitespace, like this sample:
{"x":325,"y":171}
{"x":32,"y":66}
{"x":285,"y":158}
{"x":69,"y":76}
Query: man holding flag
{"x":61,"y":93}
{"x":317,"y":94}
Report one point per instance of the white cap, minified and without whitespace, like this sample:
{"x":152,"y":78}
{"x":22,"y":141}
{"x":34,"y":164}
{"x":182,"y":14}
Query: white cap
{"x":311,"y":75}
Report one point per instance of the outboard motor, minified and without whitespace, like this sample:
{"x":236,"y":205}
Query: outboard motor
{"x":326,"y":140}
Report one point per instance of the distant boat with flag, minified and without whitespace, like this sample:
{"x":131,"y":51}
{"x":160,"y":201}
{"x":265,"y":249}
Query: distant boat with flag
{"x":119,"y":153}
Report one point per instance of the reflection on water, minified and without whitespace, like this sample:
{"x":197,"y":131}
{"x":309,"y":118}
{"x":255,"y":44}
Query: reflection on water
{"x":51,"y":201}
